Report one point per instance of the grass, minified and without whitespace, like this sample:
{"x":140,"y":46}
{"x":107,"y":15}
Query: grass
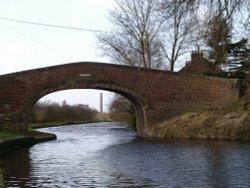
{"x":4,"y":135}
{"x":9,"y":135}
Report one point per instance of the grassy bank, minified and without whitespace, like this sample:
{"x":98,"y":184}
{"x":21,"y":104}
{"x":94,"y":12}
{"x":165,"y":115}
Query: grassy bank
{"x":10,"y":141}
{"x":9,"y":135}
{"x":228,"y":123}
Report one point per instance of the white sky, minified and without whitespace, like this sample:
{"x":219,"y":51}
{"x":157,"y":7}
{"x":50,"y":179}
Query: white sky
{"x":24,"y":46}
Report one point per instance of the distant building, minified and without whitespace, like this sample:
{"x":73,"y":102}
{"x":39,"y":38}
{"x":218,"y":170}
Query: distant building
{"x":197,"y":65}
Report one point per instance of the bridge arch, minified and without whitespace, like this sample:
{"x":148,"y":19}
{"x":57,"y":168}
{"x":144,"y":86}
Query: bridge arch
{"x":139,"y":102}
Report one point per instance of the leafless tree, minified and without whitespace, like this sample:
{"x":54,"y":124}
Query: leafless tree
{"x":236,"y":12}
{"x":135,"y":41}
{"x":149,"y":33}
{"x":179,"y":30}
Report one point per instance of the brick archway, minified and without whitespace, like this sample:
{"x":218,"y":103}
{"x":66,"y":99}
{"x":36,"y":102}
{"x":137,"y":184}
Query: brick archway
{"x":157,"y":95}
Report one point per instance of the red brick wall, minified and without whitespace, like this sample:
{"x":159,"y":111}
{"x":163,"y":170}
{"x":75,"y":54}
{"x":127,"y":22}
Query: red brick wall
{"x":157,"y":95}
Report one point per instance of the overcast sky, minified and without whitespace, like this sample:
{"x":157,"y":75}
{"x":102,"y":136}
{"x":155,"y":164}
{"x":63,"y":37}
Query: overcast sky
{"x":25,"y":46}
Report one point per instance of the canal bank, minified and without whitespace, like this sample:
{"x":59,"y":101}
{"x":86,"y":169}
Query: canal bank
{"x":228,"y":123}
{"x":14,"y":141}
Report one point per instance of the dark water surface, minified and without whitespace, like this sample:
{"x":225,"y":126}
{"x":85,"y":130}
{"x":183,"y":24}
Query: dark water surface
{"x":107,"y":155}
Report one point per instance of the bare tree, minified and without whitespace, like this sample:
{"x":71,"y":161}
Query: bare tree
{"x":135,"y":40}
{"x":244,"y":17}
{"x":213,"y":7}
{"x":154,"y":33}
{"x":179,"y":30}
{"x":149,"y":33}
{"x":235,"y":12}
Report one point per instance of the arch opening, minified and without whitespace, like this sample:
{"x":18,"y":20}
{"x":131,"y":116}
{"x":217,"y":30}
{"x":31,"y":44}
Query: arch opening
{"x":136,"y":100}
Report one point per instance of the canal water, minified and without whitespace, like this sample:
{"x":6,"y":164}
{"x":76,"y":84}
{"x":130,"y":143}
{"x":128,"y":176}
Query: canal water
{"x":111,"y":155}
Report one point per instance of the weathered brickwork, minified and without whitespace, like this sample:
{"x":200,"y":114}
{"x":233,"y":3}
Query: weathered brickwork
{"x":156,"y":95}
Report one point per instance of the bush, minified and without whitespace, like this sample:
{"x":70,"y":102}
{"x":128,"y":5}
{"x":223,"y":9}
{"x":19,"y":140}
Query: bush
{"x":44,"y":112}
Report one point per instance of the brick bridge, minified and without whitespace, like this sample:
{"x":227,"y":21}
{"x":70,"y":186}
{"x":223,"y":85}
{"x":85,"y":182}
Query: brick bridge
{"x":156,"y":95}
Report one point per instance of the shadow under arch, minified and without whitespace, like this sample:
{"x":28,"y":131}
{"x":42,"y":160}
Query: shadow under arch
{"x":134,"y":96}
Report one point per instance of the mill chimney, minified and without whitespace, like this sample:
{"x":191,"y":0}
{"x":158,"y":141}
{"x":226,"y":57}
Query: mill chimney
{"x":101,"y":103}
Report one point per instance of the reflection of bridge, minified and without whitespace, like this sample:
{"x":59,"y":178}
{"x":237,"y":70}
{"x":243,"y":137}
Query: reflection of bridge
{"x":156,"y":95}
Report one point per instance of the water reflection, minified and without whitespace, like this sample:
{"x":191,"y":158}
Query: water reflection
{"x":106,"y":155}
{"x":1,"y":175}
{"x":16,"y":168}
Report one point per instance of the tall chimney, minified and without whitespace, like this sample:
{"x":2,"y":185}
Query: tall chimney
{"x":101,"y":103}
